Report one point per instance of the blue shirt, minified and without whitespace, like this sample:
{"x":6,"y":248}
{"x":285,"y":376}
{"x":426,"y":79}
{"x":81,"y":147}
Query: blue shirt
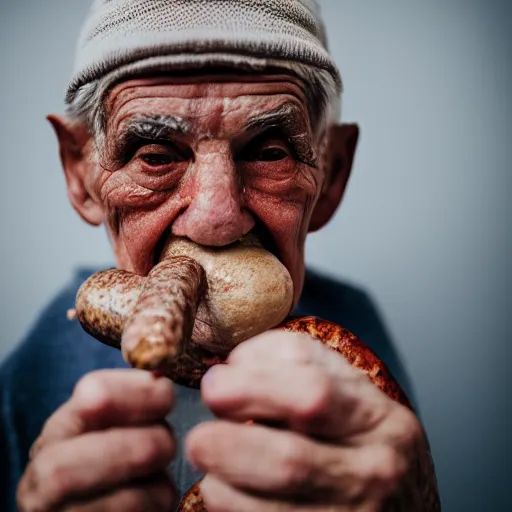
{"x":41,"y":373}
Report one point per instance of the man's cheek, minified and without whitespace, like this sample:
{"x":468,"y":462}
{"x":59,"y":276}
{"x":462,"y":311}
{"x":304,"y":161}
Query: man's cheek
{"x":120,"y":190}
{"x":287,"y":224}
{"x":136,"y":220}
{"x":283,"y":198}
{"x":283,"y":201}
{"x":123,"y":197}
{"x":286,"y":180}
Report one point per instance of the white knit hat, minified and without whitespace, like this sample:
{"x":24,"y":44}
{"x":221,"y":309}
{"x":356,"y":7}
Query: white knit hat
{"x":123,"y":37}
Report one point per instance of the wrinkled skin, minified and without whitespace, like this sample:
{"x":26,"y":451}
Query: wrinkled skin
{"x":216,"y":177}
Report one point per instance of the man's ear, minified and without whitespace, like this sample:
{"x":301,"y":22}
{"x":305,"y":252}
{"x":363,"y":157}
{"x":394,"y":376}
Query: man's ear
{"x":74,"y":141}
{"x":339,"y":159}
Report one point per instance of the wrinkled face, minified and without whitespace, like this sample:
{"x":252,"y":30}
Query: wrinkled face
{"x":209,"y":160}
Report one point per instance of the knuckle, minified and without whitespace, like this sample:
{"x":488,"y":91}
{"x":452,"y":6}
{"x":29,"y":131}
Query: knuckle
{"x":318,"y":398}
{"x":294,"y":466}
{"x":237,"y":354}
{"x":383,"y":468}
{"x":133,"y":500}
{"x":163,"y":496}
{"x":404,"y":429}
{"x":25,"y":504}
{"x":294,"y":347}
{"x":153,"y":448}
{"x":215,"y":502}
{"x":168,"y":442}
{"x":36,"y":447}
{"x":413,"y":431}
{"x":204,"y":445}
{"x":205,"y":435}
{"x":45,"y":481}
{"x":214,"y":495}
{"x":26,"y":492}
{"x":299,"y":346}
{"x":92,"y":392}
{"x":47,"y":426}
{"x":260,"y":344}
{"x":147,"y":450}
{"x":56,"y":480}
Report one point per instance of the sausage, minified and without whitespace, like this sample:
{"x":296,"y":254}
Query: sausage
{"x":249,"y":291}
{"x":112,"y":300}
{"x":209,"y":299}
{"x":163,"y":318}
{"x":104,"y":303}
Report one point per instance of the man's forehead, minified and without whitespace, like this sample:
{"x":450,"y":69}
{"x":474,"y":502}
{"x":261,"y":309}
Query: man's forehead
{"x":193,"y":97}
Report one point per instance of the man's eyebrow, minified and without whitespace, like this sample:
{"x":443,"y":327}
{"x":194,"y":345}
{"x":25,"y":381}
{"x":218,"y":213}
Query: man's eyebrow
{"x":289,"y":119}
{"x":159,"y":127}
{"x":287,"y":115}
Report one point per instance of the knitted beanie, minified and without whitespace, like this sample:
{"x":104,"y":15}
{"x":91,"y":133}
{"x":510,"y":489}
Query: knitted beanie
{"x":124,"y":37}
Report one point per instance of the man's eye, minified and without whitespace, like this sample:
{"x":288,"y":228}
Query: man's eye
{"x":272,"y":154}
{"x":157,"y":159}
{"x":268,"y":154}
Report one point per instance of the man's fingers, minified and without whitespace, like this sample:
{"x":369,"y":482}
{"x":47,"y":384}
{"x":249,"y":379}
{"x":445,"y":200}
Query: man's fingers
{"x":81,"y":455}
{"x":106,"y":399}
{"x":157,"y":495}
{"x":279,"y":347}
{"x":117,"y":398}
{"x":95,"y":462}
{"x":304,"y":398}
{"x":254,"y":457}
{"x":293,"y":395}
{"x":280,"y":464}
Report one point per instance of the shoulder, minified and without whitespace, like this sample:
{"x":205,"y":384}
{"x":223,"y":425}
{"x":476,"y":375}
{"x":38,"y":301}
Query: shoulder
{"x":353,"y":308}
{"x":331,"y":297}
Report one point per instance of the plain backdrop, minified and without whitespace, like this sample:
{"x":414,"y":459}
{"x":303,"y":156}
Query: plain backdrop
{"x":424,"y":227}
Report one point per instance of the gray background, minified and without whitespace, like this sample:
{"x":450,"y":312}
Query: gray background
{"x":424,"y":226}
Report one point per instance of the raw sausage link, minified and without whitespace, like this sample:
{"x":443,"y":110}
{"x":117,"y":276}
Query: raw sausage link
{"x":164,"y":315}
{"x":248,"y":292}
{"x":105,"y":301}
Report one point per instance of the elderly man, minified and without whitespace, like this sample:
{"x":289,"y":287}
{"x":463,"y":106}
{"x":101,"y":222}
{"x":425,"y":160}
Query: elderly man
{"x":209,"y":120}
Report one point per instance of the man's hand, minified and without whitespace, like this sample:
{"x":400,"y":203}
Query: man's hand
{"x":325,"y":437}
{"x":107,"y":448}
